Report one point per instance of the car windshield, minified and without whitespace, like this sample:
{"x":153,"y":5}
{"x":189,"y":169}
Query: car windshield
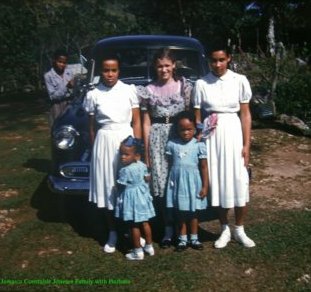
{"x":136,"y":63}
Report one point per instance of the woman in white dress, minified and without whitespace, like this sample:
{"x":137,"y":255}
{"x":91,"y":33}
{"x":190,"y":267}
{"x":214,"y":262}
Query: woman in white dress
{"x":222,"y":94}
{"x":113,"y":108}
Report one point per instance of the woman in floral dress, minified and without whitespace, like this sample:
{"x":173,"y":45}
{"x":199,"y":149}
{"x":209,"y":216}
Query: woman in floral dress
{"x":161,"y":101}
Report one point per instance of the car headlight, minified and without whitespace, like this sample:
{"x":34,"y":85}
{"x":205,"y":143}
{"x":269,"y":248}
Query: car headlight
{"x":65,"y":137}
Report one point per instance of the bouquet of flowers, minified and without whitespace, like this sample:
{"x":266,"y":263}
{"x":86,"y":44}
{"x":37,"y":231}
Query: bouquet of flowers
{"x":209,"y":125}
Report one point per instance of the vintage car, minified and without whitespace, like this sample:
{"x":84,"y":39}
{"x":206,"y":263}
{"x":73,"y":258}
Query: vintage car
{"x":70,"y":145}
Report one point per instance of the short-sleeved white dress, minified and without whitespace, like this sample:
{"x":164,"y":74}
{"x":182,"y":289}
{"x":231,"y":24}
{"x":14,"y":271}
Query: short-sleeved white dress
{"x":228,"y":177}
{"x":112,"y":108}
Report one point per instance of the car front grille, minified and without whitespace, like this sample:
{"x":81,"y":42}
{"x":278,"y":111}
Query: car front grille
{"x":78,"y":170}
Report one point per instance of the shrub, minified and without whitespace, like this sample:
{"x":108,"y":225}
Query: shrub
{"x":293,"y":96}
{"x":293,"y":91}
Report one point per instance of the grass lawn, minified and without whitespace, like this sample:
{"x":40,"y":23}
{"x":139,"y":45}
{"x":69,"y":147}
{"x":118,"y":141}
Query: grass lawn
{"x":39,"y":251}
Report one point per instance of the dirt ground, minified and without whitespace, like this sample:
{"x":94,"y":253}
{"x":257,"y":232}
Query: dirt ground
{"x":281,"y":175}
{"x":281,"y":164}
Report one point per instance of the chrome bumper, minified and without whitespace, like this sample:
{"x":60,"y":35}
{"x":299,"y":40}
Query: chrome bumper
{"x":68,"y":186}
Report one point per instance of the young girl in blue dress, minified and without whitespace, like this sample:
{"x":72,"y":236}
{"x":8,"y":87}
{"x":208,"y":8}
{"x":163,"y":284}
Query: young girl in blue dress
{"x":188,"y":179}
{"x":134,"y":204}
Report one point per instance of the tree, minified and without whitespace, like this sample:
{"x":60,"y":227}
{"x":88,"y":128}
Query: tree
{"x":31,"y":30}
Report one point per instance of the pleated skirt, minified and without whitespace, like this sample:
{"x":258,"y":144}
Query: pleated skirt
{"x":228,"y":177}
{"x":105,"y":165}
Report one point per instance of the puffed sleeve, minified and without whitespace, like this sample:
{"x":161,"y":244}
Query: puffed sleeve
{"x":89,"y":103}
{"x":143,"y":97}
{"x":202,"y":150}
{"x":245,"y":90}
{"x":197,"y":94}
{"x":123,"y":177}
{"x":133,"y":96}
{"x":169,"y":148}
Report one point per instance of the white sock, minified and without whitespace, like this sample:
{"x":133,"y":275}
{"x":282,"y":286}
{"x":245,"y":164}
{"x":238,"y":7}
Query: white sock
{"x":193,"y":237}
{"x":225,"y":227}
{"x":183,"y":237}
{"x":239,"y":229}
{"x":137,"y":250}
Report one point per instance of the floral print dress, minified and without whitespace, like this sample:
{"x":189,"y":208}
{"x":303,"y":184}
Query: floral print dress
{"x":161,"y":102}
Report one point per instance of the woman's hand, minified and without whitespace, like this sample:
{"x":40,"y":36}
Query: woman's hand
{"x":246,"y":121}
{"x":146,"y":133}
{"x":246,"y":155}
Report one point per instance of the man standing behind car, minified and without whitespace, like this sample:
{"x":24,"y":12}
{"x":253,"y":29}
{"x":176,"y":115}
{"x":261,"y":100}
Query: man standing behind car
{"x":58,"y":82}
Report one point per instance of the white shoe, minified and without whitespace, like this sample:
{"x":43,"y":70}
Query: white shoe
{"x":109,"y":249}
{"x":135,"y":256}
{"x":148,"y":249}
{"x":223,"y":240}
{"x":142,"y":242}
{"x":242,"y":238}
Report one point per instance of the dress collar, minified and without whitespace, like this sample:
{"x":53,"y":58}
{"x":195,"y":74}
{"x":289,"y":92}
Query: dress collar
{"x":224,"y":77}
{"x":107,"y":88}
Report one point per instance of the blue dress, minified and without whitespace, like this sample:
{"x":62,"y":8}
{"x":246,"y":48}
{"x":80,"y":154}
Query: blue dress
{"x":134,"y":202}
{"x":185,"y":182}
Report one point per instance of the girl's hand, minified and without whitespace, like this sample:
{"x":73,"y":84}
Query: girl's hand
{"x":203,"y":192}
{"x":199,"y":136}
{"x":147,"y":177}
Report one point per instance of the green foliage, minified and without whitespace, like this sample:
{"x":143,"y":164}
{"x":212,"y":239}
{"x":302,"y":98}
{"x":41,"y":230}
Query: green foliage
{"x":31,"y":30}
{"x":294,"y":95}
{"x":17,"y":46}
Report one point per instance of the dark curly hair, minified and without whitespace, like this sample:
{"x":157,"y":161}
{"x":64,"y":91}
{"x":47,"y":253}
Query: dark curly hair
{"x":189,"y":115}
{"x":218,"y":45}
{"x":130,"y":141}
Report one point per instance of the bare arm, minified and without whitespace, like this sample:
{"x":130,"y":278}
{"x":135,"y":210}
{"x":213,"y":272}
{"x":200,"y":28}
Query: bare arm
{"x":204,"y":177}
{"x":92,"y":129}
{"x":197,"y":113}
{"x":146,"y":133}
{"x":246,"y":121}
{"x":136,"y":123}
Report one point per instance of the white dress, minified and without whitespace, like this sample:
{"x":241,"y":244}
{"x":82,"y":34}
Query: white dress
{"x":228,"y":177}
{"x":112,"y":108}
